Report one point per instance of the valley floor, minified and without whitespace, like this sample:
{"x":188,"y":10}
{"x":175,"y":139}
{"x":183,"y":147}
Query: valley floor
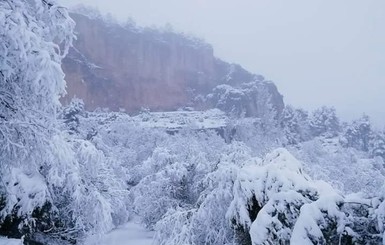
{"x":127,"y":234}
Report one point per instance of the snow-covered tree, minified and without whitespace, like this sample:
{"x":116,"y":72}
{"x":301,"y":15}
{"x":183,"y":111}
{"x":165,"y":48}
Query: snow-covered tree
{"x":266,"y":111}
{"x":377,"y":145}
{"x":324,"y":122}
{"x":204,"y":221}
{"x":35,"y":35}
{"x":174,"y":174}
{"x":358,"y":134}
{"x":295,"y":124}
{"x":71,"y":114}
{"x":277,"y":203}
{"x":49,"y":182}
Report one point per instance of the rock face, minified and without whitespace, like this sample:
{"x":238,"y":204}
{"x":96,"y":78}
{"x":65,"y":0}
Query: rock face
{"x":129,"y":68}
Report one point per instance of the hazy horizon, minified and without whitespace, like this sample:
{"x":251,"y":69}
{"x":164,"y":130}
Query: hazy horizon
{"x":317,"y":53}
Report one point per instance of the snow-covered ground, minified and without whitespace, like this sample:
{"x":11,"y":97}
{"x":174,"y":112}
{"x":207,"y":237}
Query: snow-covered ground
{"x":181,"y":119}
{"x":131,"y":233}
{"x":6,"y":241}
{"x":209,"y":119}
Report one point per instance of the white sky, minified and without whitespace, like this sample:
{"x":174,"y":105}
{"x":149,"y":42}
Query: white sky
{"x":318,"y":52}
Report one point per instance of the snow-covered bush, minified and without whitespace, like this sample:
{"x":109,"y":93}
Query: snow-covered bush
{"x":86,"y":196}
{"x":292,"y":208}
{"x":204,"y":221}
{"x":175,"y":173}
{"x":127,"y":145}
{"x":98,"y":196}
{"x":271,"y":201}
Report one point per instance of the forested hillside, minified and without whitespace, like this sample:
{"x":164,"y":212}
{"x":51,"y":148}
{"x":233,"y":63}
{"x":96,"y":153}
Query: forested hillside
{"x":242,"y":173}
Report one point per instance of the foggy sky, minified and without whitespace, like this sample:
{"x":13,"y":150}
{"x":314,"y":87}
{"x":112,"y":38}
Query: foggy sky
{"x":318,"y":52}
